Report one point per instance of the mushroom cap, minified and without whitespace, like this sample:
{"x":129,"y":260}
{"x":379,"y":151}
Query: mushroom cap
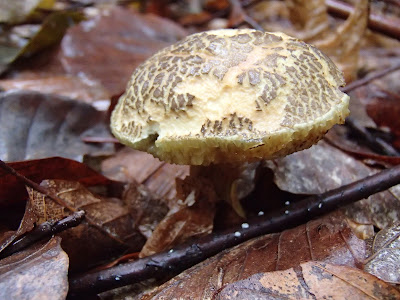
{"x":230,"y":95}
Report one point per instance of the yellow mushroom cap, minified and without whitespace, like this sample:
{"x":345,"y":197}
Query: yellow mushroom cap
{"x":230,"y":95}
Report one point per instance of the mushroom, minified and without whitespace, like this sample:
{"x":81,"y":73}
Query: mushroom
{"x":230,"y":97}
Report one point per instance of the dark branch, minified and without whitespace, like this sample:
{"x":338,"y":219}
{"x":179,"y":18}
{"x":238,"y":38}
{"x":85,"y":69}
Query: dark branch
{"x":46,"y":229}
{"x":375,"y":143}
{"x":389,"y":26}
{"x":36,"y":186}
{"x":53,"y":197}
{"x":375,"y":75}
{"x":184,"y":256}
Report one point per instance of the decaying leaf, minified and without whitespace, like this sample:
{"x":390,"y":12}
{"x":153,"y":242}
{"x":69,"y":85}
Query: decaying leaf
{"x":131,"y":38}
{"x":27,"y":223}
{"x":36,"y":38}
{"x":309,"y":17}
{"x":16,"y":11}
{"x":12,"y":190}
{"x":191,"y":216}
{"x":343,"y":45}
{"x":39,"y":272}
{"x":44,"y":208}
{"x":109,"y":229}
{"x":34,"y":125}
{"x":311,"y":280}
{"x":328,"y":239}
{"x":129,"y":165}
{"x":384,"y":263}
{"x":146,"y":210}
{"x":322,"y":168}
{"x":68,"y":86}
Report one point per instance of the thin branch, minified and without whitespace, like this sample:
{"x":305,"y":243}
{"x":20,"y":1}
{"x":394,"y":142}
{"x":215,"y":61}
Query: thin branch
{"x":46,"y":229}
{"x":53,"y":197}
{"x":36,"y":186}
{"x":375,"y":75}
{"x":375,"y":143}
{"x":186,"y":255}
{"x":389,"y":26}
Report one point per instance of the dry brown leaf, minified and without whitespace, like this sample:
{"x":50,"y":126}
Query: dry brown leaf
{"x":39,"y":272}
{"x":322,"y":168}
{"x":27,"y":223}
{"x":110,"y":229}
{"x":312,"y":280}
{"x":191,"y":216}
{"x":129,"y":165}
{"x":145,"y":209}
{"x":309,"y":17}
{"x":343,"y":45}
{"x":63,"y":85}
{"x":35,"y":125}
{"x":384,"y":263}
{"x":125,"y":38}
{"x":328,"y":239}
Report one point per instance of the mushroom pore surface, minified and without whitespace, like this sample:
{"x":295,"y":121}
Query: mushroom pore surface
{"x":229,"y":96}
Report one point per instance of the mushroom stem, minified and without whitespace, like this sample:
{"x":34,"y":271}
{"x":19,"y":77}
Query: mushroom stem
{"x":231,"y":182}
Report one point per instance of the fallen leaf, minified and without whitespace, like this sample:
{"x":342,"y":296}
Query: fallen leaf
{"x":12,"y":190}
{"x":146,"y":209}
{"x":125,"y":38}
{"x":322,"y":168}
{"x":16,"y":11}
{"x":129,"y":165}
{"x":40,"y":37}
{"x":68,"y":86}
{"x":27,"y":223}
{"x":40,"y":272}
{"x":109,"y":229}
{"x":343,"y":45}
{"x":34,"y":125}
{"x":191,"y":216}
{"x":309,"y":18}
{"x":327,"y":239}
{"x":313,"y":280}
{"x":384,"y":262}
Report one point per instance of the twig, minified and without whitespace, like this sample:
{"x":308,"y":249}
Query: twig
{"x":36,"y":186}
{"x":45,"y":229}
{"x":375,"y":75}
{"x":375,"y":143}
{"x":55,"y":198}
{"x":389,"y":26}
{"x":382,"y":24}
{"x":238,"y":16}
{"x":184,"y":256}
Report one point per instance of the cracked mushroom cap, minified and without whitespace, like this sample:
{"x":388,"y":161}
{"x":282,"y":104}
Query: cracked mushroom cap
{"x":230,"y":95}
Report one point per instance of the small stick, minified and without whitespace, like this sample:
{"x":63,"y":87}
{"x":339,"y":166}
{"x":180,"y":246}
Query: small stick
{"x":375,"y":75}
{"x":45,"y":229}
{"x":376,"y":144}
{"x":186,"y":255}
{"x":389,"y":26}
{"x":36,"y":186}
{"x":53,"y":197}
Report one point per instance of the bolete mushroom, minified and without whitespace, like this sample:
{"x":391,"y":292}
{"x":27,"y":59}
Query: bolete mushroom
{"x":230,"y":96}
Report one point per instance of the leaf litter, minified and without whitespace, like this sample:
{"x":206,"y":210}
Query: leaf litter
{"x":152,"y":189}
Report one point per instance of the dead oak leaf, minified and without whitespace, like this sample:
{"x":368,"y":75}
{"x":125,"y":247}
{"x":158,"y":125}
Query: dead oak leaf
{"x":39,"y":272}
{"x":311,"y":280}
{"x":328,"y":239}
{"x":384,"y":263}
